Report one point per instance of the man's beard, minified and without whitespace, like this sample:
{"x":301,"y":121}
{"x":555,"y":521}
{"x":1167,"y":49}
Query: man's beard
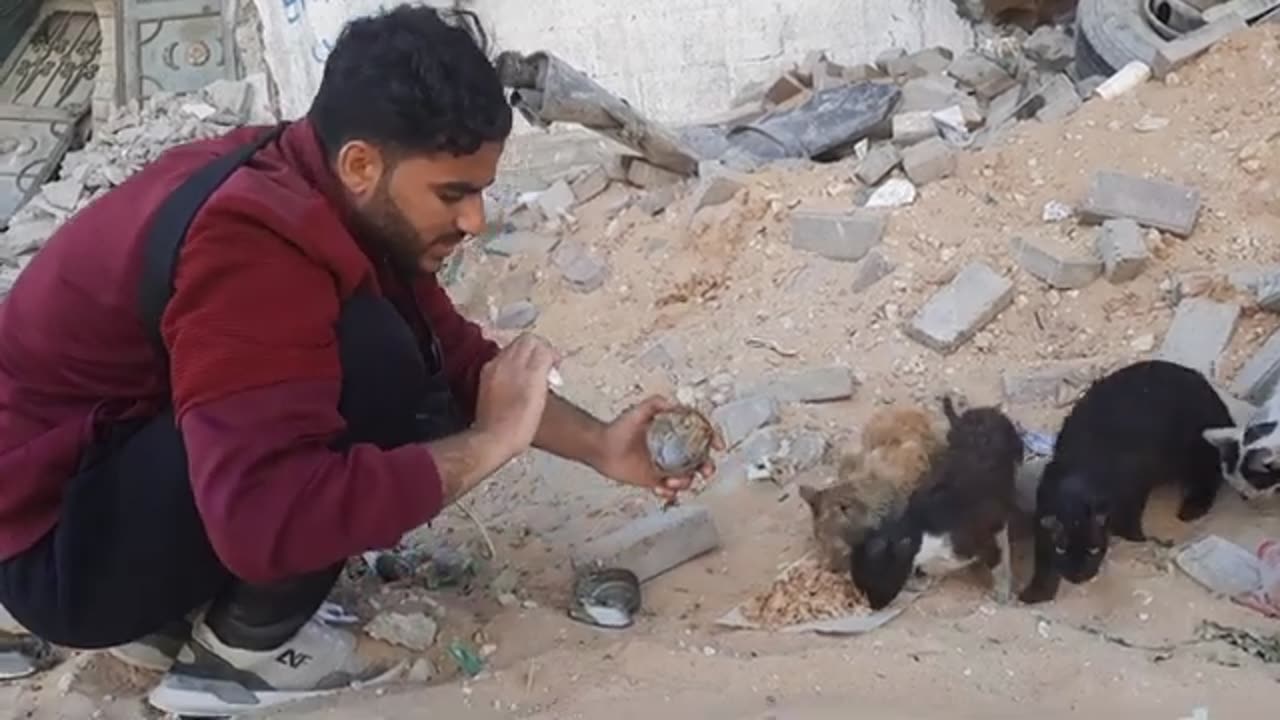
{"x":381,"y":224}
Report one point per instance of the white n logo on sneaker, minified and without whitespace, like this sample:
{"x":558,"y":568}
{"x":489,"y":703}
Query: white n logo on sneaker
{"x":293,"y":658}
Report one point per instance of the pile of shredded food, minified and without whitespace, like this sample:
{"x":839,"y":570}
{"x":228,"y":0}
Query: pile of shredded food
{"x":804,"y":593}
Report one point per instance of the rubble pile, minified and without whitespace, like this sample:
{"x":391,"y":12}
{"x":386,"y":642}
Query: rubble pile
{"x":133,"y":136}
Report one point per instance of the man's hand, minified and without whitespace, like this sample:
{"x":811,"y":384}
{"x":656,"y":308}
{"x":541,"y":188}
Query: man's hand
{"x":624,"y":455}
{"x":513,"y":393}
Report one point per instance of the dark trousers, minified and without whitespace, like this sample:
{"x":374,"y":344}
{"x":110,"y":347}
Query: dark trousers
{"x":130,"y":555}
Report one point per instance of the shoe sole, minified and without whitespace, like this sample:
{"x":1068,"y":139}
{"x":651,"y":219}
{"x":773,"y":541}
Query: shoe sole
{"x":197,"y":701}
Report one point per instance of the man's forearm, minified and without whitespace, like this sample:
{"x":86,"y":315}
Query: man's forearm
{"x":464,"y":461}
{"x":570,"y":432}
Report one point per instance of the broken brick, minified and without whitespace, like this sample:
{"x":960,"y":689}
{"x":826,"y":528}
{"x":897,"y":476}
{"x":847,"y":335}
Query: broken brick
{"x":1199,"y":333}
{"x":1152,"y":203}
{"x":1123,"y":249}
{"x":815,"y":385}
{"x":654,"y":544}
{"x":958,"y":311}
{"x":838,"y":235}
{"x":1054,"y":267}
{"x":738,"y":419}
{"x":986,"y":78}
{"x":912,"y":127}
{"x":590,"y":184}
{"x":929,"y":160}
{"x":881,"y":159}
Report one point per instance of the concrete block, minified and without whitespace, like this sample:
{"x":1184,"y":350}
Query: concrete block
{"x":812,"y":66}
{"x":584,"y":272}
{"x":1123,"y":250}
{"x":590,"y":184}
{"x":1152,"y":203}
{"x":655,"y":201}
{"x":881,"y":159}
{"x":958,"y":311}
{"x":871,"y":270}
{"x":717,"y":185}
{"x":983,"y":76}
{"x":740,"y":418}
{"x":929,"y":61}
{"x":1055,"y":267}
{"x":1058,"y":383}
{"x":814,"y":385}
{"x":860,"y":73}
{"x":928,"y":161}
{"x":892,"y":62}
{"x":1051,"y":47}
{"x":1175,"y":53}
{"x":557,"y":199}
{"x":912,"y":127}
{"x":1060,"y":99}
{"x":654,"y":544}
{"x":516,"y":316}
{"x":648,"y":176}
{"x":521,"y":242}
{"x":846,"y":235}
{"x":1199,"y":333}
{"x":1258,"y":379}
{"x":929,"y":94}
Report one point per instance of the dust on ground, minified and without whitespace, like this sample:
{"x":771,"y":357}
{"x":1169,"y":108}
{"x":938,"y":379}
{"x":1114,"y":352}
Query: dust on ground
{"x":726,"y":285}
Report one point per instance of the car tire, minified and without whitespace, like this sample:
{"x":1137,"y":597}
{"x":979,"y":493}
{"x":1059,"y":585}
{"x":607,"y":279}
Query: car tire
{"x":1112,"y":33}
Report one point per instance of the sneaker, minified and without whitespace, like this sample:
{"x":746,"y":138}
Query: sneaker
{"x":157,"y":651}
{"x":211,"y":678}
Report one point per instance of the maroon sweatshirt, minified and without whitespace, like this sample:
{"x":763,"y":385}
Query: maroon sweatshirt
{"x":254,"y":373}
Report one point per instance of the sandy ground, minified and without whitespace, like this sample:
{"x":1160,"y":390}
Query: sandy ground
{"x":727,"y":287}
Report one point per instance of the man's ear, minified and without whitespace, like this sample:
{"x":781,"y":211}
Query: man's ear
{"x":1223,"y":438}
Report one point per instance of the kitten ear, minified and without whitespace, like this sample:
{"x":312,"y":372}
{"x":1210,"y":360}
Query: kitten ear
{"x":1223,"y":438}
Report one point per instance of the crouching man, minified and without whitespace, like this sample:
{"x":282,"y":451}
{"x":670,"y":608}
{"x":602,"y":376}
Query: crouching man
{"x":237,"y":369}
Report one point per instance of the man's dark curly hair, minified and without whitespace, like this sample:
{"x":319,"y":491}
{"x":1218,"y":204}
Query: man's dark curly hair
{"x":411,"y":80}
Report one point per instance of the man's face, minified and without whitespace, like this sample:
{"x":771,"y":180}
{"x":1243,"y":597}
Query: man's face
{"x":419,"y":207}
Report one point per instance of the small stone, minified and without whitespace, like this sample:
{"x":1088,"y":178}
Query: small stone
{"x":740,"y":418}
{"x":516,"y":316}
{"x":1123,"y":250}
{"x":1152,"y":203}
{"x":717,"y":186}
{"x":644,"y":175}
{"x":986,"y":78}
{"x":421,"y":671}
{"x":928,"y":161}
{"x":894,"y":193}
{"x":590,"y":184}
{"x":912,"y":127}
{"x":958,"y":311}
{"x":26,"y":237}
{"x":63,"y":195}
{"x":879,"y":162}
{"x":1199,"y":333}
{"x":414,"y":631}
{"x":582,"y":271}
{"x":1051,"y":48}
{"x":1150,"y":124}
{"x":873,"y":268}
{"x":837,"y":235}
{"x":1054,"y":267}
{"x":1055,"y":211}
{"x":556,"y":200}
{"x":655,"y":543}
{"x":1144,"y":343}
{"x":234,"y":98}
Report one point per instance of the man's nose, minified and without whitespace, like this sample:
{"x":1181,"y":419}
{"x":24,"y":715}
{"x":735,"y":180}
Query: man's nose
{"x":471,"y":214}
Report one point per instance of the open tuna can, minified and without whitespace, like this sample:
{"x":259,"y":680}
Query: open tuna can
{"x":607,"y":598}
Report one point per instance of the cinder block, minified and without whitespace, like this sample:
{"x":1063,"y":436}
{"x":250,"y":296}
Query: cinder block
{"x":1047,"y":383}
{"x":716,"y":185}
{"x":929,"y":94}
{"x":1058,"y":270}
{"x":814,"y":385}
{"x":1152,"y":203}
{"x":1123,"y":250}
{"x":881,"y":159}
{"x":928,"y":161}
{"x":873,"y":268}
{"x":645,"y":175}
{"x":1258,"y":379}
{"x":929,"y":61}
{"x":1175,"y":53}
{"x":846,"y":236}
{"x":1199,"y":333}
{"x":958,"y":311}
{"x":911,"y":127}
{"x":986,"y":78}
{"x":558,"y":198}
{"x":740,"y":418}
{"x":590,"y":184}
{"x":655,"y":543}
{"x":1060,"y":99}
